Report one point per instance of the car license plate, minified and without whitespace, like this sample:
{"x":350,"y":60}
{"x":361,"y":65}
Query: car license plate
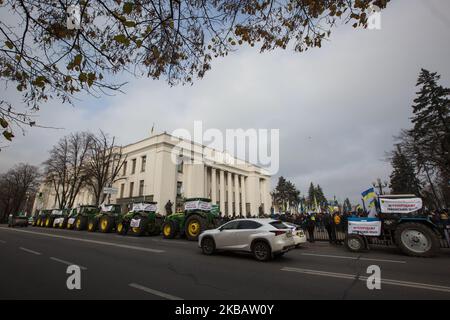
{"x":135,"y":223}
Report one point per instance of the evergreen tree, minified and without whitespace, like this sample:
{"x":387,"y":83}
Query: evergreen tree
{"x":311,"y":195}
{"x":403,"y":177}
{"x":321,"y":199}
{"x":431,"y":120}
{"x":347,"y":206}
{"x":285,"y":194}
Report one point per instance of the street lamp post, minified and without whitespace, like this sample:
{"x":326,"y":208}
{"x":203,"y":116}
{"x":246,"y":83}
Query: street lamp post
{"x":380,"y":185}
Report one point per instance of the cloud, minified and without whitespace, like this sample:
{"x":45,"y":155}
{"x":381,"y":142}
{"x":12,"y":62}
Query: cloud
{"x":337,"y":107}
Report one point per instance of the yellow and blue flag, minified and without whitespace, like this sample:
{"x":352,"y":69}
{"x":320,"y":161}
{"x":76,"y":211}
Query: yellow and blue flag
{"x":368,"y":194}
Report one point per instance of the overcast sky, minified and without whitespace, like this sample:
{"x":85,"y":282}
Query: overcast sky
{"x":337,"y":107}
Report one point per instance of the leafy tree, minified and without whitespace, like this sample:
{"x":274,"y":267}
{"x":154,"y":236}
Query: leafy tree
{"x":170,"y":39}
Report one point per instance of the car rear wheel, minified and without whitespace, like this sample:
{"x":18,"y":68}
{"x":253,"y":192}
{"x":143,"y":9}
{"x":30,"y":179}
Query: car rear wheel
{"x":208,"y":246}
{"x":261,"y":251}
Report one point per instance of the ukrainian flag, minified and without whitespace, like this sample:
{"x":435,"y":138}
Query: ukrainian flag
{"x":368,"y":195}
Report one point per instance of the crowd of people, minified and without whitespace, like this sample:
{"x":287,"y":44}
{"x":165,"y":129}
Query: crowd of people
{"x":336,"y":222}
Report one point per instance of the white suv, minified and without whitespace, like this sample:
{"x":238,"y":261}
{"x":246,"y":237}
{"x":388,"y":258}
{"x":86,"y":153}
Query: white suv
{"x":265,"y":238}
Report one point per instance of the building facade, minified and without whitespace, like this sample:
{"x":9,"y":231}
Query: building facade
{"x":163,"y":167}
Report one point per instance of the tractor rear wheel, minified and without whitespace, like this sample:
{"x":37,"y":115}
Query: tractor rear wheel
{"x":194,"y":225}
{"x":154,"y":228}
{"x":80,"y":223}
{"x":416,"y":239}
{"x":105,"y":224}
{"x":92,"y":225}
{"x":169,"y":229}
{"x":122,"y":228}
{"x":142,"y":228}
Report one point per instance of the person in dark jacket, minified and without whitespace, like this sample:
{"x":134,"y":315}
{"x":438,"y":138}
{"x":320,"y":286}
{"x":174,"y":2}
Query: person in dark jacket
{"x":330,"y":226}
{"x":310,"y":226}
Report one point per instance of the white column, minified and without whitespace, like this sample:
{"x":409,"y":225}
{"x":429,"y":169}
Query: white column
{"x":222,"y":191}
{"x":230,"y":194}
{"x":236,"y":194}
{"x":213,"y":186}
{"x":244,"y":199}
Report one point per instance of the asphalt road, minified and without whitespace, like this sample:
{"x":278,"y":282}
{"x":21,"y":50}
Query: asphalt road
{"x":33,"y":263}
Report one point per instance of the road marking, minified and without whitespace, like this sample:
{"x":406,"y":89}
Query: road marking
{"x":67,"y":263}
{"x":30,"y":251}
{"x":154,"y":292}
{"x":351,"y":258}
{"x":392,"y":282}
{"x":124,"y":246}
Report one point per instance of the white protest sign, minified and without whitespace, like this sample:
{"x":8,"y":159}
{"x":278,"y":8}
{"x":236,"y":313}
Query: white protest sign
{"x":364,"y":227}
{"x":144,"y":207}
{"x":197,"y":205}
{"x":400,"y":205}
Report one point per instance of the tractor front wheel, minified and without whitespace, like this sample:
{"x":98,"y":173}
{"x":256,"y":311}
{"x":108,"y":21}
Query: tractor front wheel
{"x":92,"y":225}
{"x":169,"y":229}
{"x":416,"y":239}
{"x":355,"y":243}
{"x":141,"y":229}
{"x":194,"y":226}
{"x":105,"y":224}
{"x":154,"y":229}
{"x":80,"y":223}
{"x":49,"y":223}
{"x":122,"y":228}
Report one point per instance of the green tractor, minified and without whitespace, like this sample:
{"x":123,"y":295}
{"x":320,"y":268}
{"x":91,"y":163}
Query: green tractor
{"x":141,"y":220}
{"x":105,"y":220}
{"x":54,"y":215}
{"x":197,"y":217}
{"x":42,"y":217}
{"x":59,"y":218}
{"x":79,"y":217}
